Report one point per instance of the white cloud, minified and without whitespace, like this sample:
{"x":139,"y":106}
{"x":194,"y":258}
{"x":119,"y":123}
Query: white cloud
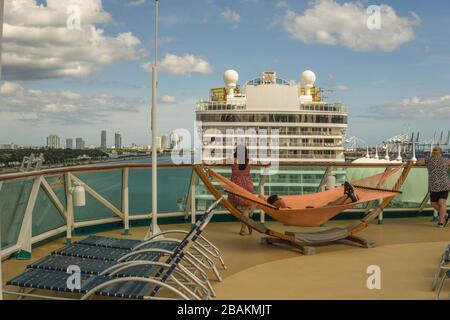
{"x":136,"y":3}
{"x":281,"y":4}
{"x":232,"y":17}
{"x":330,"y":23}
{"x":63,"y":107}
{"x":416,"y":107}
{"x":341,"y":87}
{"x":9,"y":88}
{"x":168,"y":99}
{"x":181,"y":65}
{"x":39,"y":45}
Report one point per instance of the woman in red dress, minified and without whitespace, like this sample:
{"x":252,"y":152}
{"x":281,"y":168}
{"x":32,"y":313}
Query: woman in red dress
{"x":240,"y":174}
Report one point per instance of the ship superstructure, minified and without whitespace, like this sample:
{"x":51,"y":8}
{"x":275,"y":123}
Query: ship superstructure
{"x":275,"y":118}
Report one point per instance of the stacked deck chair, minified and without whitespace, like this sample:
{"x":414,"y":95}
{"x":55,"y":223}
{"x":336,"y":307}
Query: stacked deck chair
{"x":144,"y":278}
{"x":202,"y":253}
{"x":442,"y":273}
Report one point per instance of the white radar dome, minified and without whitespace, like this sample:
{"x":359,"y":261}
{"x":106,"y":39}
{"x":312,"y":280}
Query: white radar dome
{"x":308,"y":78}
{"x":231,"y":77}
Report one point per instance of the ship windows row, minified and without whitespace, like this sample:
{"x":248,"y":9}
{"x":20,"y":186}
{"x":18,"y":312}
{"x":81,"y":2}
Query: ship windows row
{"x":284,"y":131}
{"x":261,"y":118}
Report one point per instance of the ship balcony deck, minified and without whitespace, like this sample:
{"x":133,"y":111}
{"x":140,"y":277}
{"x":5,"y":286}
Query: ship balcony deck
{"x":34,"y":218}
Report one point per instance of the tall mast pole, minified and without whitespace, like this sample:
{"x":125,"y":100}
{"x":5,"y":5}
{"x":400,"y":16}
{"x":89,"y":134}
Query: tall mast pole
{"x":155,"y":229}
{"x":2,"y":6}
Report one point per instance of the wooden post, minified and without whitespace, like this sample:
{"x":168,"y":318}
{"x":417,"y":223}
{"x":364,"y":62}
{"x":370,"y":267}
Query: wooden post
{"x":125,"y":202}
{"x":69,"y":207}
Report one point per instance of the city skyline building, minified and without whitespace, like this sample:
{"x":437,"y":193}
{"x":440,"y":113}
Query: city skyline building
{"x":69,"y":143}
{"x":53,"y":142}
{"x":103,"y":141}
{"x":80,"y":144}
{"x":118,"y":141}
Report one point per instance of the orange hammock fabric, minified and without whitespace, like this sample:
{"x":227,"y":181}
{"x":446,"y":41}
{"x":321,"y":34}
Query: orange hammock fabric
{"x":298,"y":214}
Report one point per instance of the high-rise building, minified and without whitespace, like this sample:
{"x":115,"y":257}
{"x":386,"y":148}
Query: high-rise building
{"x":69,"y":143}
{"x":118,"y":141}
{"x":158,"y":143}
{"x":80,"y":144}
{"x":175,"y":141}
{"x":164,"y":143}
{"x":53,"y":142}
{"x":103,"y":140}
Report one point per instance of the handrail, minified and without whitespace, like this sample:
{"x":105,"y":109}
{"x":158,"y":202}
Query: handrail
{"x":110,"y":167}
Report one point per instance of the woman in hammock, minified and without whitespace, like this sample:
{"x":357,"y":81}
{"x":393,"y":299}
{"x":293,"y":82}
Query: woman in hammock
{"x":240,"y":174}
{"x":349,"y":196}
{"x":438,"y":183}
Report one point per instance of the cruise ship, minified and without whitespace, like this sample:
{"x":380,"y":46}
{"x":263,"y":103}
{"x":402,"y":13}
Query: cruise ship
{"x":271,"y":112}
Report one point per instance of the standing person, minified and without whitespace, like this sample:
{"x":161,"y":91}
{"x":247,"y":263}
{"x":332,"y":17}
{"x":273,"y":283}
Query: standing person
{"x":240,"y":174}
{"x":438,"y":183}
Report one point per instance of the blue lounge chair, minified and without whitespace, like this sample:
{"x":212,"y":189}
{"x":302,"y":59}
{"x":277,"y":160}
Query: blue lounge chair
{"x":118,"y":279}
{"x":113,"y":249}
{"x":443,"y":273}
{"x":202,"y":245}
{"x":110,"y":286}
{"x":445,"y":259}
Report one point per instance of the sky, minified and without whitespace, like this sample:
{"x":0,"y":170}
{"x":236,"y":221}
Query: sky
{"x":76,"y":67}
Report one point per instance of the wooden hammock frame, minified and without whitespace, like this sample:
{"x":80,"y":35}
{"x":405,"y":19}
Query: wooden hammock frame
{"x":289,"y":238}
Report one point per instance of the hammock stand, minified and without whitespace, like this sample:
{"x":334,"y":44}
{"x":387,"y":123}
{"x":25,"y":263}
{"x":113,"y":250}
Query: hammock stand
{"x":306,"y":242}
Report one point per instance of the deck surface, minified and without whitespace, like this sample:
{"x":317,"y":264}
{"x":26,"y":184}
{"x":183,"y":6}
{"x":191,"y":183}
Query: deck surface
{"x":407,"y":251}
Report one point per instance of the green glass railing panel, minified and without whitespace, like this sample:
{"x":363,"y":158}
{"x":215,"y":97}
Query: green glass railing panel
{"x":173,"y":189}
{"x":294,"y":181}
{"x":13,"y":202}
{"x":45,"y":215}
{"x":414,"y":190}
{"x":57,"y":184}
{"x":298,"y":180}
{"x":354,"y":174}
{"x":108,"y":184}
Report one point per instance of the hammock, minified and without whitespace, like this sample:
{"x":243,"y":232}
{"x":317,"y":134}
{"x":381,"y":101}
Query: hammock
{"x":311,"y":210}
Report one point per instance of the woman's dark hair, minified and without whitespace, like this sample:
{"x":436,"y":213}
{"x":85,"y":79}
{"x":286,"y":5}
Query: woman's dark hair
{"x":239,"y":150}
{"x":273,"y":199}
